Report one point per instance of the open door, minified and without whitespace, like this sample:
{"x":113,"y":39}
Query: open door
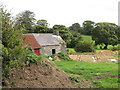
{"x":37,"y":51}
{"x":53,"y":51}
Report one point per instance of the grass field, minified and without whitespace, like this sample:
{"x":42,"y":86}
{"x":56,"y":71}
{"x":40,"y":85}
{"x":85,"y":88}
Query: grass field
{"x":86,"y":37}
{"x":102,"y":75}
{"x":115,"y":55}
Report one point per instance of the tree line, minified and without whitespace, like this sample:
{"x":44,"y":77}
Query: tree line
{"x":102,"y":32}
{"x":25,"y":22}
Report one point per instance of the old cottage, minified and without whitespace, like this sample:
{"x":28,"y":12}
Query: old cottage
{"x":47,"y":43}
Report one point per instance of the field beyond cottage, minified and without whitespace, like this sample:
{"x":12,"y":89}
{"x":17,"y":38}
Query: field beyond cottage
{"x":88,"y":74}
{"x":101,"y":75}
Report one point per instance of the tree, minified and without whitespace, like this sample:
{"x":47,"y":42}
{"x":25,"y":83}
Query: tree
{"x":42,"y":22}
{"x":64,"y":32}
{"x":88,"y":26}
{"x":11,"y":39}
{"x":85,"y":46}
{"x":118,"y":34}
{"x":25,"y":20}
{"x":41,"y":29}
{"x":76,"y":37}
{"x":76,"y":27}
{"x":105,"y":33}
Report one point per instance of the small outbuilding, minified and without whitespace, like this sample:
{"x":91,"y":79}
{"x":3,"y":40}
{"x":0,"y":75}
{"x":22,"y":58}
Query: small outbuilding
{"x":47,"y":43}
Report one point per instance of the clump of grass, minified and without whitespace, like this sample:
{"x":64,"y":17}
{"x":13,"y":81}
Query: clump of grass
{"x":62,"y":56}
{"x":75,"y":79}
{"x":71,"y":50}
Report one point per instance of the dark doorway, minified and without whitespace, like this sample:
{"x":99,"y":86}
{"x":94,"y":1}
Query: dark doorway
{"x":53,"y":51}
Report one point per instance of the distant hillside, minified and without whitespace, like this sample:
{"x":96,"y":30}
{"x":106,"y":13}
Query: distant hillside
{"x":87,"y":37}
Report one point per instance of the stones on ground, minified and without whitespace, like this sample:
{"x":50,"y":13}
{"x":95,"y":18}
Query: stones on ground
{"x":102,"y":56}
{"x":56,"y":58}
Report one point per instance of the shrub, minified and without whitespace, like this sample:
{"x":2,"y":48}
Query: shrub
{"x":16,"y":63}
{"x":74,"y":79}
{"x":85,"y":46}
{"x":110,"y":47}
{"x":71,"y":50}
{"x":118,"y":46}
{"x":98,"y":47}
{"x":63,"y":57}
{"x":33,"y":58}
{"x":102,"y":46}
{"x":115,"y":47}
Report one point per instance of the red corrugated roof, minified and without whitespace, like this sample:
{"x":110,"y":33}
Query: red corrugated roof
{"x":29,"y":39}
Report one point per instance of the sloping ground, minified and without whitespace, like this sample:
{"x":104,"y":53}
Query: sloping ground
{"x":100,"y":57}
{"x":42,"y":75}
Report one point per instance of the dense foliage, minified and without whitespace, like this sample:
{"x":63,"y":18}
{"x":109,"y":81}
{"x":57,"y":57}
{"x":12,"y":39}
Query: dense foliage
{"x":102,"y":33}
{"x":13,"y":52}
{"x":88,"y":27}
{"x":105,"y":33}
{"x":63,"y":57}
{"x":85,"y":46}
{"x":26,"y":20}
{"x":11,"y":39}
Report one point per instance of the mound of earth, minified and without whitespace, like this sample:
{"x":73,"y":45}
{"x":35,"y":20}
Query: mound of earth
{"x":40,"y":75}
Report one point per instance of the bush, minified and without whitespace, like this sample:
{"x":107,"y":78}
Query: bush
{"x":74,"y":79}
{"x":33,"y":58}
{"x":85,"y":46}
{"x":110,"y":47}
{"x":100,"y":46}
{"x":16,"y":63}
{"x":71,"y":50}
{"x":118,"y":46}
{"x":63,"y":57}
{"x":115,"y":47}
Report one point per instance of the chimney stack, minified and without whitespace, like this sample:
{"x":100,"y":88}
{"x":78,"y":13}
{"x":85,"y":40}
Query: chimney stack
{"x":55,"y":32}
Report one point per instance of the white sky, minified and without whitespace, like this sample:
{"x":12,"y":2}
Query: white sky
{"x":67,"y":12}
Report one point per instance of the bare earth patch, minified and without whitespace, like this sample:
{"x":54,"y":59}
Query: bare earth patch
{"x":102,"y":56}
{"x":45,"y":75}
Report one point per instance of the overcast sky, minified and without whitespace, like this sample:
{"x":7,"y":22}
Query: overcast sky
{"x":67,"y":12}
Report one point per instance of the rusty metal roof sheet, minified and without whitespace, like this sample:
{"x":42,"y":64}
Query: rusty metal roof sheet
{"x":29,"y":39}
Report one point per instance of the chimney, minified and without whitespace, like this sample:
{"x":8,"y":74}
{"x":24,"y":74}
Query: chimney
{"x":55,"y":32}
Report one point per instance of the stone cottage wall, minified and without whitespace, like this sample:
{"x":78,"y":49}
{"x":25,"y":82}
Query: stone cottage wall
{"x":47,"y":50}
{"x":63,"y":49}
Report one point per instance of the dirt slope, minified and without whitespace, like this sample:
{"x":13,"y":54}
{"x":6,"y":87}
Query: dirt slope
{"x":42,"y":75}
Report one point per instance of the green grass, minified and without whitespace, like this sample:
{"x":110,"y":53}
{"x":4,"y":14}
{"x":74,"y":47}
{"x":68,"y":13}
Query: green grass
{"x":115,"y":55}
{"x":98,"y":51}
{"x":71,"y":50}
{"x":86,"y":37}
{"x":100,"y":74}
